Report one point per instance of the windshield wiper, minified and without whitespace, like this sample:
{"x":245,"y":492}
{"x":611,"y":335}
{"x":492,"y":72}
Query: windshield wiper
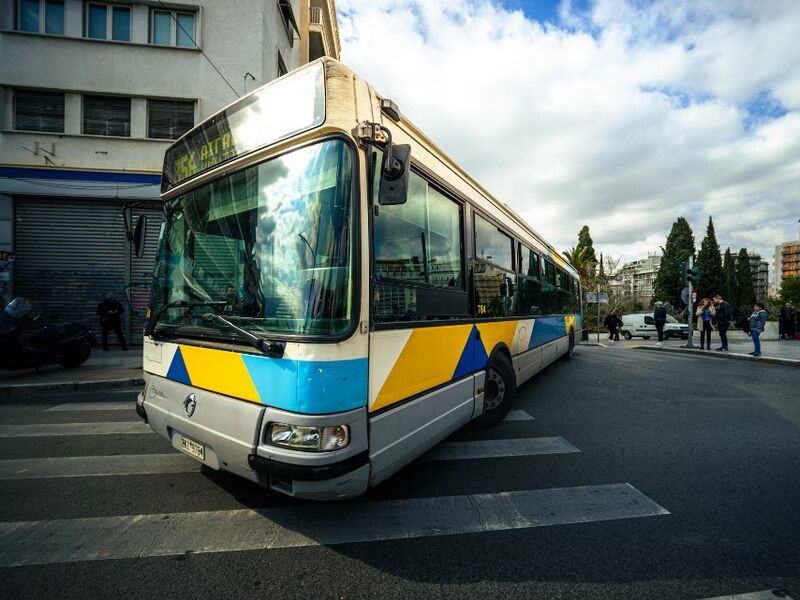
{"x":271,"y":349}
{"x":151,"y":324}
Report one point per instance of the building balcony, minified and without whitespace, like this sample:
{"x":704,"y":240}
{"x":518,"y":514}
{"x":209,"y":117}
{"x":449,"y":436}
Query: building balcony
{"x":323,"y":31}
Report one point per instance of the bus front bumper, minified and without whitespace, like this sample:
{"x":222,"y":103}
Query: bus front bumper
{"x":229,"y":434}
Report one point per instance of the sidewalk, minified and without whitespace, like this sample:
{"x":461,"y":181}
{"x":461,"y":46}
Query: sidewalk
{"x":114,"y":368}
{"x":772,"y":351}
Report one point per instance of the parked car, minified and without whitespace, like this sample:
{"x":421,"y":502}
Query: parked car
{"x":643,"y":325}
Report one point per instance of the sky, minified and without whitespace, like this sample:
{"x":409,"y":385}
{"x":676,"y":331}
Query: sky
{"x":618,"y":114}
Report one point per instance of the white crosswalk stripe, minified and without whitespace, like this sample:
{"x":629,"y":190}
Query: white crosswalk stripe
{"x":499,"y":448}
{"x":762,"y":595}
{"x":75,"y":540}
{"x":54,"y":429}
{"x":90,"y":406}
{"x":97,"y":466}
{"x":158,"y":464}
{"x":518,"y":415}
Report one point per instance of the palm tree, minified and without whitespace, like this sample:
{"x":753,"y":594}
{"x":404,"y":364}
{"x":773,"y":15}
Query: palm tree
{"x":578,"y":257}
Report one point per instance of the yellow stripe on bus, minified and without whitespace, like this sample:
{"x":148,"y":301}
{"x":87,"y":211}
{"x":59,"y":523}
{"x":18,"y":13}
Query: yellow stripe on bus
{"x":428,"y":359}
{"x":219,"y":371}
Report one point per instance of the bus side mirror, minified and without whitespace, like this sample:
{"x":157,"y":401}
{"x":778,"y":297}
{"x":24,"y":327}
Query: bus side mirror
{"x":140,"y":235}
{"x":394,"y":175}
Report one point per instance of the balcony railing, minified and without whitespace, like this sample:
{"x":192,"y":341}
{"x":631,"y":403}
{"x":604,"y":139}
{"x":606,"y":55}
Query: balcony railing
{"x":315,"y":15}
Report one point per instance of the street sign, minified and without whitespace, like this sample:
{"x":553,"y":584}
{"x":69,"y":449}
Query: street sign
{"x":685,"y":295}
{"x":596,"y":298}
{"x":694,"y":296}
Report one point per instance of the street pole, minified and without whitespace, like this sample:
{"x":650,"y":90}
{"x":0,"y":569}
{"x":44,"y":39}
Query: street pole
{"x":691,"y":309}
{"x":597,"y":299}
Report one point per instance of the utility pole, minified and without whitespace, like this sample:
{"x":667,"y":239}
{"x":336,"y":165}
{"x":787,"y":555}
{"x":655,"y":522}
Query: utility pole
{"x":691,"y":275}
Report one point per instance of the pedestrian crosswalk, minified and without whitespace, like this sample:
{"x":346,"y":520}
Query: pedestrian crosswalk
{"x":209,"y":530}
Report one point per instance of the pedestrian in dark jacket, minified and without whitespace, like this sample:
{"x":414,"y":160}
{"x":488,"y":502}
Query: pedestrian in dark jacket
{"x":110,"y":312}
{"x":660,"y":317}
{"x":723,"y":317}
{"x":786,"y":321}
{"x":758,"y":321}
{"x":612,"y":322}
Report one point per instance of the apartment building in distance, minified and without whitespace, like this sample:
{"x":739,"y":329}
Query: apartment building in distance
{"x":91,"y":95}
{"x":760,"y":271}
{"x":787,"y":261}
{"x":638,"y":278}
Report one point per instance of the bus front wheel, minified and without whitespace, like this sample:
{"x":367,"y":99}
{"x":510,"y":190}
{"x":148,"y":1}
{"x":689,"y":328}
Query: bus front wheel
{"x":499,"y":391}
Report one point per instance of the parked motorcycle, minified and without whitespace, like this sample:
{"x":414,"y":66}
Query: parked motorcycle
{"x":28,"y":340}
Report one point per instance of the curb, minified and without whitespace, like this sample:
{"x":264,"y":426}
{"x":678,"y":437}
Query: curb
{"x":71,"y":386}
{"x":787,"y":362}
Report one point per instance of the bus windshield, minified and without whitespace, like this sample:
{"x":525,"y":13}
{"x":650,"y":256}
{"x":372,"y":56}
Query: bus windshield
{"x":271,"y":246}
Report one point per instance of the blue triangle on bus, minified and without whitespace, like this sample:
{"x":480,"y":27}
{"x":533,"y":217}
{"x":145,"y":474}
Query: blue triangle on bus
{"x":177,"y":370}
{"x":473,"y":357}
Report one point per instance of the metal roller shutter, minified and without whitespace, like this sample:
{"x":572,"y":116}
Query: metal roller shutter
{"x":70,"y":254}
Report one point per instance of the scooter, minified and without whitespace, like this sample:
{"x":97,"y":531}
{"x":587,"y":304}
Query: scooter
{"x":29,"y":341}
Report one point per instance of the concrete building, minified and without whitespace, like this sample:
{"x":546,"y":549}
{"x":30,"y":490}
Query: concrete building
{"x":760,"y":270}
{"x":787,"y":261}
{"x":638,"y":278}
{"x":91,"y":95}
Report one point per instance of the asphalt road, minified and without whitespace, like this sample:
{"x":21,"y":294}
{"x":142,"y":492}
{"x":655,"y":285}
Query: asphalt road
{"x":648,"y":475}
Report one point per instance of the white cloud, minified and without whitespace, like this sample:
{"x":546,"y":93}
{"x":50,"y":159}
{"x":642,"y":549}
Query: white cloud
{"x":624,"y":118}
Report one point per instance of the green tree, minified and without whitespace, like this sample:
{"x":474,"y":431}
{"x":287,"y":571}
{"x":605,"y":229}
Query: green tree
{"x":745,"y":294}
{"x":578,"y":258}
{"x":712,"y":279}
{"x":790,"y":291}
{"x":585,"y":241}
{"x":679,"y":247}
{"x":729,"y":279}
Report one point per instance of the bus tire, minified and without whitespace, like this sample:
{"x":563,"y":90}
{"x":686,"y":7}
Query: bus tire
{"x":570,"y":348}
{"x":499,"y":391}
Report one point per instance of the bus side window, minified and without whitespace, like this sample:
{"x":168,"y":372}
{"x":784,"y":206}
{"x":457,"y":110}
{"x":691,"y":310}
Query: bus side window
{"x":417,"y":256}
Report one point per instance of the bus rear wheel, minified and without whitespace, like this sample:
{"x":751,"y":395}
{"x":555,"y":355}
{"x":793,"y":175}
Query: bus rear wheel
{"x":499,"y":391}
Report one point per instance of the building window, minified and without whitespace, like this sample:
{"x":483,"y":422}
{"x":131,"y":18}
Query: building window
{"x":172,"y":28}
{"x":289,"y":22}
{"x":42,"y":16}
{"x":38,"y":111}
{"x":169,"y":119}
{"x":107,"y":115}
{"x":108,"y":22}
{"x":282,"y":70}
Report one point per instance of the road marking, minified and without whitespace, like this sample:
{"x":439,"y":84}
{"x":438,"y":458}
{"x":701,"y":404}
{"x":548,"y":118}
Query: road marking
{"x":102,"y":538}
{"x":84,"y":406}
{"x":764,"y":595}
{"x":499,"y":448}
{"x":159,"y":464}
{"x":54,"y":429}
{"x":518,"y":415}
{"x":97,"y":466}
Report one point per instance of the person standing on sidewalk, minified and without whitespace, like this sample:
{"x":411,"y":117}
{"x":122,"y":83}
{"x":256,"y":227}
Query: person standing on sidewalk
{"x":786,"y":321}
{"x":723,"y":319}
{"x":110,"y":313}
{"x":612,"y":322}
{"x":758,"y":321}
{"x":705,"y":315}
{"x":660,"y":317}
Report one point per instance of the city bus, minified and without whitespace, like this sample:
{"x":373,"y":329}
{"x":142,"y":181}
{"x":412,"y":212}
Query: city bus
{"x":333,"y":296}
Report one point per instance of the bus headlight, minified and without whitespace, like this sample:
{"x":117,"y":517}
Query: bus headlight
{"x":312,"y":439}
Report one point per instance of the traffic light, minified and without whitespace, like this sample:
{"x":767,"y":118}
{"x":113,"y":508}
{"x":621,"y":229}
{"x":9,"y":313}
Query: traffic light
{"x":693,"y":275}
{"x":685,"y":270}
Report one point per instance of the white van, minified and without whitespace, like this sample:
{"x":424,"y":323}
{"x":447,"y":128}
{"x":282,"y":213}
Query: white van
{"x":644,"y":325}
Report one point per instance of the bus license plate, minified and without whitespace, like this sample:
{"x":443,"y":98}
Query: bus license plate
{"x":193,"y":448}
